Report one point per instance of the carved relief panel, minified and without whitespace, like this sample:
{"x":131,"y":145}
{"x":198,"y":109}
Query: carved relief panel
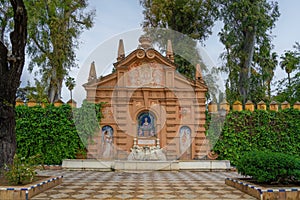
{"x":145,"y":75}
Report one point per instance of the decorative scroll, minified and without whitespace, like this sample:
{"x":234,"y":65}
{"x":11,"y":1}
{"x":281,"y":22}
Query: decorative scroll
{"x":146,"y":75}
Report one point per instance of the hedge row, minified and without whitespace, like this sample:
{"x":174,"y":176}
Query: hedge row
{"x":48,"y":132}
{"x":259,"y":130}
{"x":270,"y":167}
{"x":55,"y":133}
{"x":51,"y":132}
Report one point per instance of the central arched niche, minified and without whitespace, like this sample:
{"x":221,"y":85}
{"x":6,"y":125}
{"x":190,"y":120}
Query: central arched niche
{"x":146,"y":124}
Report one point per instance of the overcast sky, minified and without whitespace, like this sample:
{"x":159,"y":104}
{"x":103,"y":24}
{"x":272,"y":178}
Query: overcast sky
{"x":116,"y":19}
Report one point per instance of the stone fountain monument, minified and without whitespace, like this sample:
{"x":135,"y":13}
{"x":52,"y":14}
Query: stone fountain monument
{"x":151,"y":111}
{"x":153,"y":116}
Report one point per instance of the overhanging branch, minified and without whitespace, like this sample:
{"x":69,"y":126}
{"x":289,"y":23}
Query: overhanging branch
{"x":39,"y":46}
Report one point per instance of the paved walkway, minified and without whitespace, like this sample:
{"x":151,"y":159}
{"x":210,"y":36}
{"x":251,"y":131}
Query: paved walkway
{"x":143,"y":185}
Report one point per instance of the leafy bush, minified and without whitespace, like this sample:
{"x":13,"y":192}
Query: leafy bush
{"x":87,"y":119}
{"x":22,"y":171}
{"x":270,"y":167}
{"x":51,"y":131}
{"x":213,"y":125}
{"x":259,"y":130}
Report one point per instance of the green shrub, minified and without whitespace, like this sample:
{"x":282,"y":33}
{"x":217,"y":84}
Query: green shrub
{"x":49,"y":132}
{"x":22,"y":171}
{"x":52,"y":133}
{"x":259,"y":130}
{"x":86,"y":119}
{"x":269,"y":167}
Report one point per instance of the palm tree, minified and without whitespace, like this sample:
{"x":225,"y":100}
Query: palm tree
{"x":70,"y":83}
{"x":290,"y":62}
{"x":269,"y":71}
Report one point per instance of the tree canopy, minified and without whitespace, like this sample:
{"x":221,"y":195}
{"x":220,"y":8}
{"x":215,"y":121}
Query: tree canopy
{"x":289,"y":88}
{"x":249,"y":59}
{"x":247,"y":38}
{"x":191,"y":17}
{"x":194,"y":20}
{"x":70,"y":83}
{"x":54,"y":28}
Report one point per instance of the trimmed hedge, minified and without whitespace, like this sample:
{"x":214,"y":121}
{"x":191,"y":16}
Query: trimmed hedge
{"x":51,"y":132}
{"x":259,"y":130}
{"x":270,"y":167}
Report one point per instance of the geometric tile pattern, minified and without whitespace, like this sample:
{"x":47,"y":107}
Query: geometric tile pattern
{"x":260,"y":190}
{"x":141,"y":185}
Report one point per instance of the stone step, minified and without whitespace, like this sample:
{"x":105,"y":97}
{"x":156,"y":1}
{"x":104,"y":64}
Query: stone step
{"x":104,"y":165}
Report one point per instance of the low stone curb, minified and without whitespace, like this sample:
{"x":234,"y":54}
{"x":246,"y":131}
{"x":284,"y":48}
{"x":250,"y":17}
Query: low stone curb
{"x":267,"y":193}
{"x":51,"y":167}
{"x":28,"y":192}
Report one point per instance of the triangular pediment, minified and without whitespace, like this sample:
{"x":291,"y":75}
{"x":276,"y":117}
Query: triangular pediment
{"x":151,"y":69}
{"x":145,"y":67}
{"x":142,"y":56}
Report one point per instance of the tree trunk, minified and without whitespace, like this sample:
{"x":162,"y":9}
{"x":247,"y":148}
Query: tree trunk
{"x":243,"y":84}
{"x":10,"y":73}
{"x":7,"y":133}
{"x":246,"y":61}
{"x":269,"y":89}
{"x":289,"y":79}
{"x":54,"y":91}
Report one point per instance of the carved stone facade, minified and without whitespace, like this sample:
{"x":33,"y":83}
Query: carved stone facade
{"x":148,"y":102}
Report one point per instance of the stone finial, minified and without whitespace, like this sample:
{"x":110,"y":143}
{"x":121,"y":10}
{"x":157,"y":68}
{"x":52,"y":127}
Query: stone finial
{"x":145,"y":41}
{"x":44,"y":104}
{"x":237,"y":106}
{"x":121,"y":51}
{"x":19,"y":102}
{"x":92,"y":74}
{"x":296,"y":105}
{"x":170,"y":53}
{"x":285,"y":105}
{"x":31,"y":103}
{"x":274,"y":106}
{"x":198,"y":74}
{"x":261,"y":105}
{"x":72,"y":103}
{"x":249,"y":106}
{"x":58,"y":102}
{"x":212,"y":107}
{"x":224,"y":105}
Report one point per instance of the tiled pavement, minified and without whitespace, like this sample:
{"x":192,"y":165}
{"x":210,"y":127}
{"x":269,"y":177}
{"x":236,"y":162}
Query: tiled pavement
{"x":142,"y":185}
